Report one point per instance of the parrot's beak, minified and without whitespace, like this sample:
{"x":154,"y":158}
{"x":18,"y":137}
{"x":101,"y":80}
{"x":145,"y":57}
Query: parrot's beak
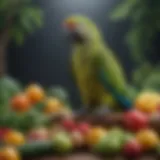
{"x":69,"y":25}
{"x":73,"y":33}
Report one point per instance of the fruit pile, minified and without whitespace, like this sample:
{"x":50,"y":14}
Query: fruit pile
{"x":34,"y":94}
{"x":67,"y":135}
{"x":146,"y":109}
{"x":24,"y":113}
{"x":32,"y":107}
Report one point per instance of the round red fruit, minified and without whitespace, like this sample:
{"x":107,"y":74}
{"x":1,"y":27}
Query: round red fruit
{"x":132,"y":148}
{"x":3,"y":131}
{"x":69,"y":125}
{"x":135,"y":120}
{"x":84,"y":128}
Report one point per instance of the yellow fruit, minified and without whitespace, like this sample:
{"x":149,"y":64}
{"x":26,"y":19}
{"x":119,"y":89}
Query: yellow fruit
{"x":148,"y":138}
{"x":20,"y":103}
{"x":14,"y":138}
{"x":147,"y":102}
{"x":35,"y":93}
{"x":53,"y":105}
{"x":9,"y":153}
{"x":94,"y":135}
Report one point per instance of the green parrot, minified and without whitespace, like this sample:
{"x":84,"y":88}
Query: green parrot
{"x":96,"y":71}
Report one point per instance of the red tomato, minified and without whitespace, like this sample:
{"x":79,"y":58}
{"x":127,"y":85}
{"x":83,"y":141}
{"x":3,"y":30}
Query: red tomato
{"x":69,"y":125}
{"x":132,"y":148}
{"x":84,"y":128}
{"x":135,"y":120}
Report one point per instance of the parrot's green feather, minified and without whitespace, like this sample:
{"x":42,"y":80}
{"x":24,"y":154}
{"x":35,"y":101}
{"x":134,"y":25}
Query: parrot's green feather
{"x":107,"y":62}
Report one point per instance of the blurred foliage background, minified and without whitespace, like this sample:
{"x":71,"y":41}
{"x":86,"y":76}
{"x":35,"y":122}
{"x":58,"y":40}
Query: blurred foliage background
{"x":20,"y":17}
{"x":141,"y":38}
{"x":17,"y":19}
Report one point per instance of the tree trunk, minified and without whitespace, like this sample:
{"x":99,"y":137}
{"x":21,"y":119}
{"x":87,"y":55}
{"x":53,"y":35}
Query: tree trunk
{"x":4,"y":40}
{"x":2,"y":60}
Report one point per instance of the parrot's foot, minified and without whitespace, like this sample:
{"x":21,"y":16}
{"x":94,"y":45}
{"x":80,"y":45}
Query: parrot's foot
{"x":82,"y":111}
{"x":90,"y":111}
{"x":85,"y":111}
{"x":102,"y":110}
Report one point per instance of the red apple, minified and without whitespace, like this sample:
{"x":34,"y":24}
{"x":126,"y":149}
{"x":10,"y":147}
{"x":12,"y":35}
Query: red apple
{"x":132,"y":148}
{"x":84,"y":128}
{"x":69,"y":124}
{"x":135,"y":120}
{"x":3,"y":131}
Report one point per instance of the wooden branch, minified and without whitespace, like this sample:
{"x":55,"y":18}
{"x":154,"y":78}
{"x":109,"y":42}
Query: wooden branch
{"x":4,"y":41}
{"x":111,"y":119}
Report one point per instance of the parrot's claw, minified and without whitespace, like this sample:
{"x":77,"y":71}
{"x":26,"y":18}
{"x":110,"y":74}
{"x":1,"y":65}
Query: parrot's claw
{"x":82,"y":111}
{"x":102,"y":110}
{"x":99,"y":110}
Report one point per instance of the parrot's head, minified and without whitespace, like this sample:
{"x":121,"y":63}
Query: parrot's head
{"x":81,"y":29}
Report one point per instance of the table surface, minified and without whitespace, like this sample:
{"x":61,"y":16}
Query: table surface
{"x":88,"y":156}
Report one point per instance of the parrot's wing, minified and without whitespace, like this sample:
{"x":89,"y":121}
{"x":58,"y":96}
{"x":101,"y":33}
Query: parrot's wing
{"x":110,"y":75}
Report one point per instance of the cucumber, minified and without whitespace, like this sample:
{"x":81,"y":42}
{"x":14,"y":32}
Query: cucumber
{"x":37,"y":148}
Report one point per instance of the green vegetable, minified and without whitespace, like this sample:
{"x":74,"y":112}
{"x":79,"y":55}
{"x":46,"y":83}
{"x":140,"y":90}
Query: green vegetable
{"x":62,"y":143}
{"x":113,"y":142}
{"x":60,"y":93}
{"x":36,"y":148}
{"x":158,"y":149}
{"x":24,"y":121}
{"x":108,"y":146}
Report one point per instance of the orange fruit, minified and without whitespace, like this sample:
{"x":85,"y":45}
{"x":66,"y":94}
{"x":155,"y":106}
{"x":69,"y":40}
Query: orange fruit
{"x":20,"y":103}
{"x":14,"y":138}
{"x":148,"y":138}
{"x":94,"y":135}
{"x":35,"y":93}
{"x":147,"y":102}
{"x":53,"y":105}
{"x":9,"y":153}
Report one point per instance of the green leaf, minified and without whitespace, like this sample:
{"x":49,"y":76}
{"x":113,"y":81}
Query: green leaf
{"x":30,"y":18}
{"x":153,"y":81}
{"x":26,"y":23}
{"x":18,"y":35}
{"x":19,"y":38}
{"x":12,"y":85}
{"x":8,"y":88}
{"x":40,"y":106}
{"x":141,"y":73}
{"x":135,"y":44}
{"x":123,"y":10}
{"x":59,"y":92}
{"x":139,"y":40}
{"x":37,"y":15}
{"x":2,"y":21}
{"x":4,"y":4}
